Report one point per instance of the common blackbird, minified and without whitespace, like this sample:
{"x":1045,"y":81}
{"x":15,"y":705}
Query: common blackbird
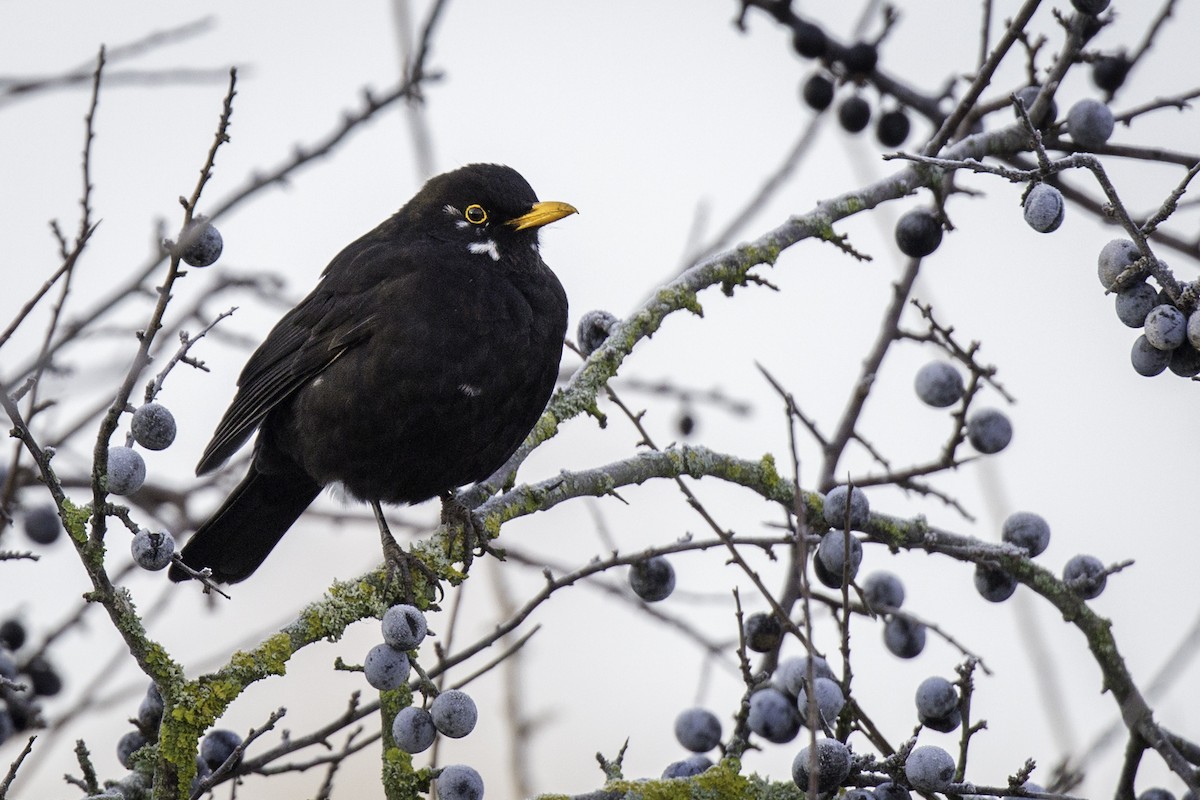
{"x":418,"y":364}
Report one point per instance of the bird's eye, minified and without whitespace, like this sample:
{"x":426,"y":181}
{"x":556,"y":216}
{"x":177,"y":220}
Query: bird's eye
{"x":475,"y":214}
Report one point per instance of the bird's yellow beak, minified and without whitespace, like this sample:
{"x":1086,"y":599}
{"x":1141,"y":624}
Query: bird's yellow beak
{"x":542,"y":214}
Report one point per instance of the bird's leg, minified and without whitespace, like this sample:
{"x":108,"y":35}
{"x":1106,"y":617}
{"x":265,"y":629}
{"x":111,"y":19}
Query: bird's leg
{"x":397,"y":560}
{"x":474,"y":536}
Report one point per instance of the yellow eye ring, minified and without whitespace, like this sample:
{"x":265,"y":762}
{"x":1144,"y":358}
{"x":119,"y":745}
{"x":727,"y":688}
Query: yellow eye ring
{"x":475,"y":214}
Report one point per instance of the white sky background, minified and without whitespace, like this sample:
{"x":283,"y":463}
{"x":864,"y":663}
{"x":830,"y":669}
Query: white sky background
{"x":642,"y":115}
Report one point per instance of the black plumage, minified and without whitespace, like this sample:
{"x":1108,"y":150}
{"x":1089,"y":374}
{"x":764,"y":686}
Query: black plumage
{"x":418,"y":364}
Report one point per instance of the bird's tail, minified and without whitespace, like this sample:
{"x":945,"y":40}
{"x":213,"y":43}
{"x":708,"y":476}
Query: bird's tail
{"x":238,"y":537}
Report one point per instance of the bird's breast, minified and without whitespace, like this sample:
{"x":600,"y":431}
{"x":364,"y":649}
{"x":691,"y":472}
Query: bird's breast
{"x":449,"y":380}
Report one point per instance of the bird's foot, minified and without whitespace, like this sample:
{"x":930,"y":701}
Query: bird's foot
{"x":400,"y":563}
{"x":475,"y":540}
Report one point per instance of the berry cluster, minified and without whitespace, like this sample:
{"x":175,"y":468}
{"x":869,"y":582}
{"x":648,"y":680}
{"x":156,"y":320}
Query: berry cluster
{"x":25,"y":678}
{"x":1090,"y":124}
{"x":849,"y":66}
{"x":699,"y":731}
{"x":217,"y":747}
{"x":1170,"y":334}
{"x":152,"y":426}
{"x":451,"y":712}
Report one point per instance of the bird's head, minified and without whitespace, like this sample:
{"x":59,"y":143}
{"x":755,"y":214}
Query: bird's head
{"x":488,"y":207}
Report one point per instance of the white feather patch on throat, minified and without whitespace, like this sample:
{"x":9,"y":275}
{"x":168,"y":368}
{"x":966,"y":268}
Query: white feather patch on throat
{"x":487,"y":246}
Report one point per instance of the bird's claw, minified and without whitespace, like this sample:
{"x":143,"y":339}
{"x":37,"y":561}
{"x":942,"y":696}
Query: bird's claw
{"x":475,"y":539}
{"x":399,"y":562}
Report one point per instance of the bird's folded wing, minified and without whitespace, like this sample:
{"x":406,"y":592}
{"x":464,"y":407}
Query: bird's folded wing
{"x":299,"y":348}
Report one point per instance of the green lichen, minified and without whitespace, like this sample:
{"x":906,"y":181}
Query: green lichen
{"x":345,"y":603}
{"x":772,"y":483}
{"x":677,"y":297}
{"x":269,"y":658}
{"x":75,"y":519}
{"x":721,"y":782}
{"x":546,"y":426}
{"x":400,"y":780}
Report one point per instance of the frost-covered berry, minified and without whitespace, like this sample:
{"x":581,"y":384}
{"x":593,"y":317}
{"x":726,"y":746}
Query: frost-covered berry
{"x":792,"y":673}
{"x":763,"y":632}
{"x":1028,"y":530}
{"x":994,"y":584}
{"x":903,"y":637}
{"x":129,"y":744}
{"x":944,"y":724}
{"x":860,"y":58}
{"x":698,"y":729}
{"x":1156,"y":793}
{"x":825,"y":575}
{"x":883,"y":590}
{"x":1114,"y":258}
{"x":773,"y":716}
{"x":43,"y":677}
{"x":831,"y":760}
{"x":918,"y":233}
{"x":152,"y":550}
{"x":404,"y":627}
{"x":150,"y":711}
{"x":218,"y":745}
{"x":854,"y":114}
{"x":594,"y":327}
{"x":687,"y":767}
{"x":8,"y":665}
{"x":834,"y":509}
{"x":929,"y":768}
{"x":892,"y":128}
{"x":817,"y":92}
{"x":686,"y":423}
{"x":459,"y":782}
{"x":1193,"y":329}
{"x":1185,"y":361}
{"x":989,"y":431}
{"x":809,"y":40}
{"x":1090,"y":123}
{"x":1028,"y":96}
{"x":8,"y":726}
{"x":830,"y":700}
{"x":890,"y":791}
{"x":201,"y":244}
{"x":12,"y":634}
{"x":203,"y":773}
{"x":1044,"y":208}
{"x":126,"y":470}
{"x":1135,"y":302}
{"x":1092,"y":7}
{"x":936,"y":697}
{"x":1147,"y":359}
{"x":413,"y":730}
{"x":454,"y":713}
{"x":385,"y":667}
{"x":1109,"y":72}
{"x":1085,"y":576}
{"x":153,"y":426}
{"x":652,"y":579}
{"x":832,"y":553}
{"x":42,"y":524}
{"x":939,"y":384}
{"x":1166,"y":327}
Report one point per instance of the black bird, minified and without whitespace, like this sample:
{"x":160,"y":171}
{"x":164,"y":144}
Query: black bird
{"x":418,"y":364}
